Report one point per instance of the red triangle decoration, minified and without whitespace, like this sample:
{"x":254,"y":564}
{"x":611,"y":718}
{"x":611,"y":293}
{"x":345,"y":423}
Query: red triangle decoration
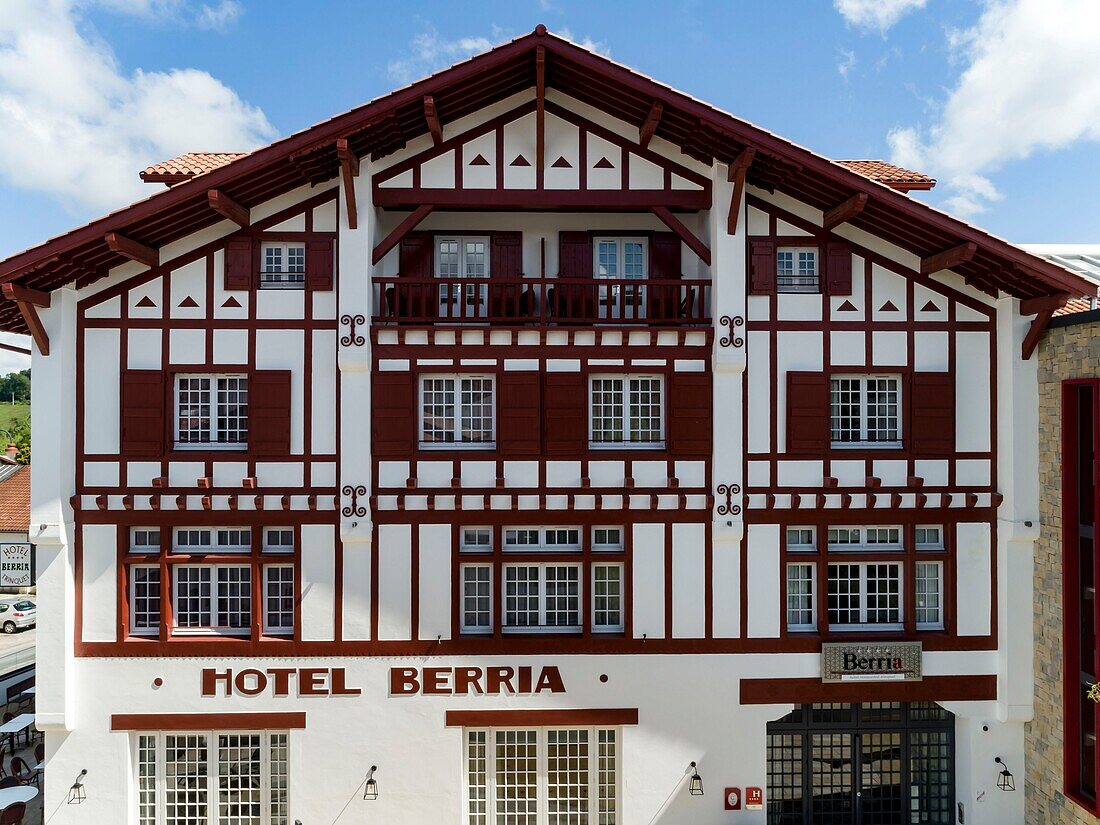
{"x":231,"y":302}
{"x":888,"y":307}
{"x":847,"y":306}
{"x":189,"y":302}
{"x":520,"y":161}
{"x":561,"y":163}
{"x":930,"y":307}
{"x":146,"y":303}
{"x":604,"y":163}
{"x":479,"y":161}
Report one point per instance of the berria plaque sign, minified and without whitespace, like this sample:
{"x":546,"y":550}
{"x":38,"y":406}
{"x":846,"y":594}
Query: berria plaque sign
{"x":873,"y":662}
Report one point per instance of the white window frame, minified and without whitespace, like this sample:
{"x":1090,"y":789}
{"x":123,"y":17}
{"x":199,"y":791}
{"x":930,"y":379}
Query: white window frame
{"x":926,"y":546}
{"x":621,"y":625}
{"x":474,"y":630}
{"x":620,"y":256}
{"x":214,"y":547}
{"x":455,"y":422}
{"x":467,"y":546}
{"x":542,"y":772}
{"x":278,"y":549}
{"x":268,"y":628}
{"x":798,"y":546}
{"x":210,"y":628}
{"x":212,"y":442}
{"x":626,"y":443}
{"x":865,"y":541}
{"x":609,"y":547}
{"x":938,"y":623}
{"x":298,"y":282}
{"x":801,"y":627}
{"x":863,"y":624}
{"x":798,"y":283}
{"x":473,"y":294}
{"x":213,"y":790}
{"x":864,"y":442}
{"x":144,"y":549}
{"x":542,"y":626}
{"x":543,"y":544}
{"x":134,"y":629}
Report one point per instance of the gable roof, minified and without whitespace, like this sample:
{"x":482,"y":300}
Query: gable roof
{"x":187,"y":166}
{"x":387,"y":123}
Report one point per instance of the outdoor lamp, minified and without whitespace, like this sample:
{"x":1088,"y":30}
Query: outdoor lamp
{"x":76,"y":792}
{"x":1004,"y":780}
{"x":695,"y":784}
{"x":371,"y":790}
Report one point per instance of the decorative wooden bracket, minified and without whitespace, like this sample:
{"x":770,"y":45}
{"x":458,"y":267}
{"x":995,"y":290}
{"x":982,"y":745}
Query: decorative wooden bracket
{"x":27,"y":300}
{"x":652,"y":121}
{"x":686,"y":235}
{"x":400,"y":231}
{"x":14,"y":348}
{"x":1043,"y":309}
{"x":738,"y":169}
{"x":948,"y":258}
{"x":228,"y":208}
{"x":540,"y":109}
{"x":133,"y":250}
{"x":432,"y":116}
{"x":349,"y":169}
{"x":845,"y":211}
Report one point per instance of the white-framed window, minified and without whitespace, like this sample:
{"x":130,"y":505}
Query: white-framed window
{"x":144,"y":539}
{"x":796,"y":269}
{"x":626,"y":411}
{"x":212,"y":598}
{"x":929,"y":595}
{"x":865,"y":595}
{"x":518,"y":539}
{"x":144,"y":600}
{"x":476,"y":540}
{"x":801,"y":539}
{"x":620,"y":257}
{"x":542,"y":776}
{"x":457,"y":411}
{"x":212,"y":540}
{"x":865,"y":410}
{"x":279,"y":599}
{"x":865,"y":537}
{"x":801,"y":604}
{"x":477,"y":598}
{"x":212,"y":777}
{"x":607,"y":539}
{"x":929,"y":537}
{"x":542,"y":597}
{"x":462,"y":257}
{"x":607,"y":598}
{"x":283,"y":265}
{"x":278,"y":540}
{"x":211,"y":411}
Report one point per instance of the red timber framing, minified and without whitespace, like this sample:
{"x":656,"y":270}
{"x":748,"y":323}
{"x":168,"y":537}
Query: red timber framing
{"x":228,"y":208}
{"x":28,"y":300}
{"x":814,"y":691}
{"x":349,"y":170}
{"x":738,"y":171}
{"x":611,"y":717}
{"x":292,"y":720}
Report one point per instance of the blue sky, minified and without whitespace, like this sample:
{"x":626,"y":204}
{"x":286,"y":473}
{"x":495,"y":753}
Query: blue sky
{"x":974,"y":92}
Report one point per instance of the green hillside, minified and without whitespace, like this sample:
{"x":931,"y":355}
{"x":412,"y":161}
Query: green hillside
{"x":12,"y":413}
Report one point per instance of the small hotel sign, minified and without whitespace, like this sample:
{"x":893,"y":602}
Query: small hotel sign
{"x":888,"y":661}
{"x":15,"y":565}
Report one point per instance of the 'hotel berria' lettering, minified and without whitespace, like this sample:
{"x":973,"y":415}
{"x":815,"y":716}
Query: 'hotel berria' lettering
{"x":461,"y":681}
{"x":307,"y":681}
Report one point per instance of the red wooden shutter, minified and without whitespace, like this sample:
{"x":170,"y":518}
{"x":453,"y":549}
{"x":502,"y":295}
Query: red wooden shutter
{"x":565,"y":413}
{"x":518,"y":412}
{"x":838,"y":268}
{"x":417,"y":256}
{"x":393,"y":413}
{"x":664,"y":256}
{"x":240,"y":263}
{"x":932,"y":413}
{"x":269,"y":412}
{"x":506,"y":255}
{"x":690,"y":406}
{"x":808,"y":412}
{"x":574,"y":255}
{"x":143,"y":413}
{"x":319,"y":263}
{"x":761,"y":267}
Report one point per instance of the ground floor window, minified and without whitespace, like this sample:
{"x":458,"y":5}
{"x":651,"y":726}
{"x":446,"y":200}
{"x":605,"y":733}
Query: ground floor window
{"x":542,"y":776}
{"x":212,"y":778}
{"x":886,"y":763}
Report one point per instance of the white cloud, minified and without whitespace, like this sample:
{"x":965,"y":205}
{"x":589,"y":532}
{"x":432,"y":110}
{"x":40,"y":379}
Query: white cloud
{"x":79,"y":127}
{"x":219,"y":17}
{"x":14,"y":361}
{"x":598,"y":46}
{"x":876,"y":14}
{"x":428,"y":52}
{"x":846,"y":61}
{"x":1030,"y":84}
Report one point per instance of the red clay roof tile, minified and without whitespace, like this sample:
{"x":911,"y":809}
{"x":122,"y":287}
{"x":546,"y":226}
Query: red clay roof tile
{"x":188,"y":166}
{"x":15,"y":501}
{"x":896,"y":177}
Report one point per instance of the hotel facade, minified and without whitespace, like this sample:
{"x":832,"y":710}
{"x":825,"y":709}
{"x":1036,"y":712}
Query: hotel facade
{"x":533,"y":444}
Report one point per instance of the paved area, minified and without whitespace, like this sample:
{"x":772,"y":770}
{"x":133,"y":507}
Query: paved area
{"x":17,"y":640}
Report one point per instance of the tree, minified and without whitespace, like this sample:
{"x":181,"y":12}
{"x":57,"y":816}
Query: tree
{"x":16,"y":386}
{"x":21,"y":438}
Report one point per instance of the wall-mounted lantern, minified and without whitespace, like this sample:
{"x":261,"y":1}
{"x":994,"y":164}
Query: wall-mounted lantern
{"x":76,"y":792}
{"x":371,"y":789}
{"x":1004,"y":779}
{"x":695,"y":784}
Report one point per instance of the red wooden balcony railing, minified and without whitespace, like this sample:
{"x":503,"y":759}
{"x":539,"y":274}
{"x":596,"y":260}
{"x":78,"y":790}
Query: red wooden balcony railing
{"x":542,"y":301}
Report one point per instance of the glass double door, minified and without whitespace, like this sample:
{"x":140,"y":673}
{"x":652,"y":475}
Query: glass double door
{"x":872,"y":764}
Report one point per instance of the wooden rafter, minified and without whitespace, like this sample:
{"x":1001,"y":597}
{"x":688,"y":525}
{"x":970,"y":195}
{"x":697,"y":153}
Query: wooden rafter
{"x":739,"y":168}
{"x":845,"y":211}
{"x":686,"y":235}
{"x":349,"y":170}
{"x":228,"y":208}
{"x":15,"y":292}
{"x":400,"y":231}
{"x":14,"y":348}
{"x":948,"y":258}
{"x":131,"y":249}
{"x":432,"y":116}
{"x":27,"y":302}
{"x":649,"y":127}
{"x":540,"y":108}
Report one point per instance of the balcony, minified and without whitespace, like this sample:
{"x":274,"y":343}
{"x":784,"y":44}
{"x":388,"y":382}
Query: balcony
{"x":542,"y":301}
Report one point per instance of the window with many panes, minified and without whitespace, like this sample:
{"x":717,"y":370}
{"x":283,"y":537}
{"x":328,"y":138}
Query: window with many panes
{"x":928,"y":579}
{"x":211,"y":411}
{"x":801,"y":609}
{"x":477,"y":598}
{"x":212,"y":540}
{"x":620,"y":258}
{"x":865,"y":595}
{"x":457,"y":411}
{"x":542,"y":538}
{"x":283,"y":265}
{"x":796,"y":269}
{"x":542,"y":597}
{"x":144,"y":600}
{"x":872,"y":538}
{"x":279,"y":598}
{"x":212,"y":598}
{"x":212,"y":778}
{"x":458,"y":259}
{"x":626,"y":411}
{"x":542,"y":776}
{"x":865,"y":410}
{"x":607,"y":598}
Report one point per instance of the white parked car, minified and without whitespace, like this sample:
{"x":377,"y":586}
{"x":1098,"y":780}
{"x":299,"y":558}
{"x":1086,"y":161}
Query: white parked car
{"x":16,"y":614}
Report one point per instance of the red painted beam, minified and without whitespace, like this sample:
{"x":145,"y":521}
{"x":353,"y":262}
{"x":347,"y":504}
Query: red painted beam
{"x":1035,"y":332}
{"x":13,"y":348}
{"x":131,"y":249}
{"x":845,"y":211}
{"x":432,"y":116}
{"x":228,"y":208}
{"x":34,"y":324}
{"x":400,"y":231}
{"x":540,"y":110}
{"x":15,"y":292}
{"x":349,"y":170}
{"x":686,"y":235}
{"x":649,"y":127}
{"x":737,"y":171}
{"x":948,"y":258}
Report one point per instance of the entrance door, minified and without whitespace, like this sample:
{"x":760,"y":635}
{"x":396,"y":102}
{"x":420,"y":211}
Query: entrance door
{"x":881,"y":763}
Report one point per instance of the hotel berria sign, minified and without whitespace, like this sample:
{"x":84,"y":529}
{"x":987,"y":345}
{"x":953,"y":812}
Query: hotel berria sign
{"x":871,"y":662}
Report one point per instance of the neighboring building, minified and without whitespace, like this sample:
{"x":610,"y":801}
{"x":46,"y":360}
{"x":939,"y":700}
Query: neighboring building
{"x":507,"y":446}
{"x":15,"y":513}
{"x":1062,"y":765}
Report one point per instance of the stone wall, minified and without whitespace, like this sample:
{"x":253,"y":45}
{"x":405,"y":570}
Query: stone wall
{"x":1066,"y":352}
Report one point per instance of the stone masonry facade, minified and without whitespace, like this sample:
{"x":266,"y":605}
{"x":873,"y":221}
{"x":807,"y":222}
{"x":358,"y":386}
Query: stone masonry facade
{"x":1066,"y":352}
